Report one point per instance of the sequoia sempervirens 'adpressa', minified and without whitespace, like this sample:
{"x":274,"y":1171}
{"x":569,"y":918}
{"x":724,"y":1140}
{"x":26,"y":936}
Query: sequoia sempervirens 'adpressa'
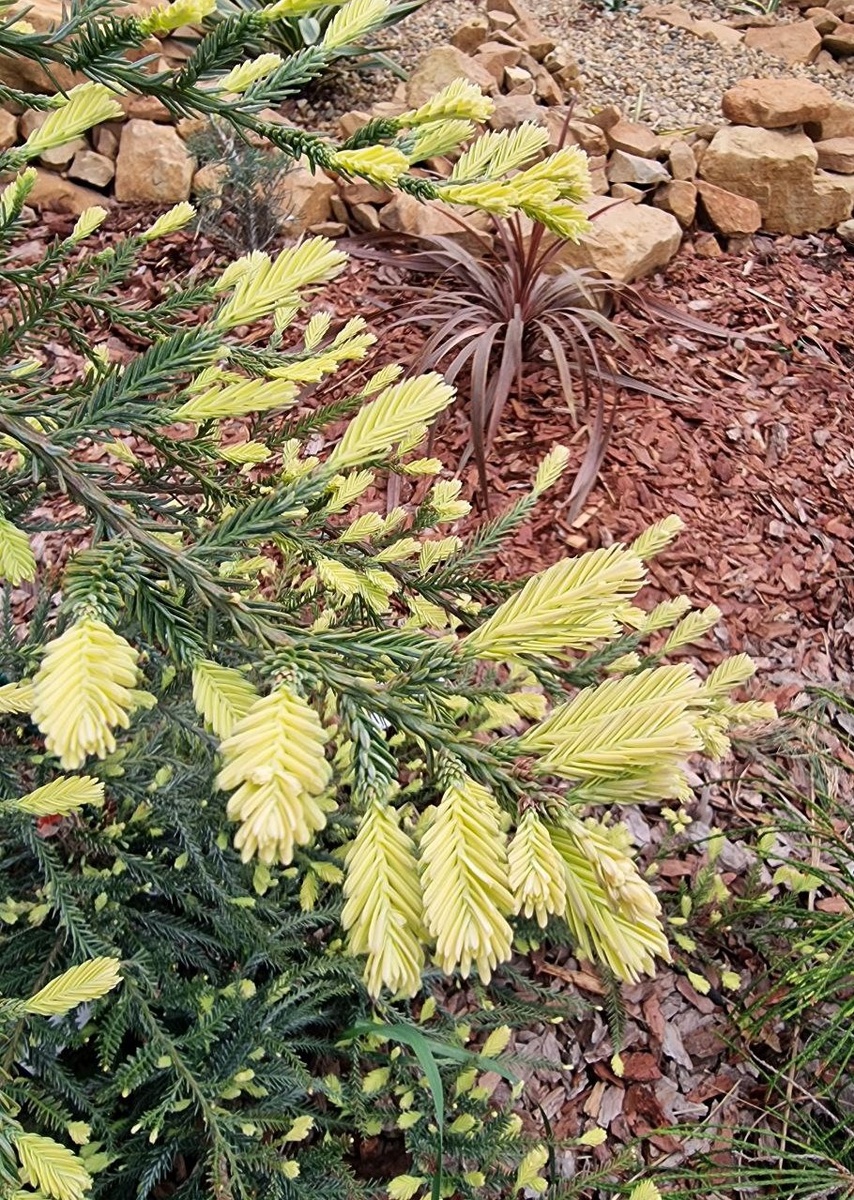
{"x":366,"y":682}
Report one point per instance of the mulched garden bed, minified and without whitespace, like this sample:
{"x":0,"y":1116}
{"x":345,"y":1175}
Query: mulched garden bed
{"x":756,"y":452}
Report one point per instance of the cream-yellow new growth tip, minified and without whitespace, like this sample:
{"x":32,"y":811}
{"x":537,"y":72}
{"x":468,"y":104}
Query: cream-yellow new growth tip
{"x":274,"y":760}
{"x":84,"y":690}
{"x":571,"y":605}
{"x":261,"y":285}
{"x":464,"y":874}
{"x":17,"y":562}
{"x":618,"y":926}
{"x":86,"y":105}
{"x":383,"y":911}
{"x":378,"y":426}
{"x":353,"y":21}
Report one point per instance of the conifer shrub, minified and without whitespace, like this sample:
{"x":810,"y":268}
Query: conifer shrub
{"x":260,"y":739}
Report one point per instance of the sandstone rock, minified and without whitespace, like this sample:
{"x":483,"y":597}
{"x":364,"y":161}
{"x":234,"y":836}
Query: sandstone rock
{"x":841,"y":41}
{"x":471,"y":35}
{"x":442,"y":66}
{"x":519,"y":79}
{"x":628,"y":168}
{"x":627,"y":241}
{"x":8,"y":129}
{"x":55,"y":194}
{"x":599,"y":183}
{"x":827,"y":64}
{"x":105,"y":139}
{"x":838,"y":122}
{"x":340,"y":211}
{"x":330,"y":229}
{"x":366,"y":217}
{"x":350,"y":121}
{"x":359,"y":191}
{"x":625,"y":191}
{"x":190,"y":127}
{"x":500,"y":21}
{"x":717,"y":31}
{"x":546,"y":88}
{"x":30,"y":121}
{"x":559,"y":59}
{"x":833,"y":200}
{"x":729,"y":213}
{"x":497,"y":58}
{"x":841,"y":182}
{"x":681,"y":160}
{"x":510,"y":111}
{"x":846,"y":232}
{"x":634,"y":139}
{"x":752,"y":20}
{"x":669,"y":14}
{"x":145,"y":108}
{"x":405,"y":214}
{"x":590,"y":138}
{"x":776,"y":169}
{"x":824,"y":20}
{"x":678,"y":197}
{"x":776,"y":103}
{"x":511,"y":8}
{"x":699,"y":148}
{"x":706,"y":245}
{"x":60,"y":156}
{"x":306,"y":199}
{"x":90,"y":167}
{"x":569,"y":79}
{"x":208,"y":180}
{"x":798,"y":42}
{"x":606,"y":118}
{"x":836,"y":154}
{"x":153,"y":165}
{"x":524,"y":27}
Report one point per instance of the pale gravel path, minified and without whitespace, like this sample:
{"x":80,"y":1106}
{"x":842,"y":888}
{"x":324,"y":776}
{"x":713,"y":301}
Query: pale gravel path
{"x":666,"y":76}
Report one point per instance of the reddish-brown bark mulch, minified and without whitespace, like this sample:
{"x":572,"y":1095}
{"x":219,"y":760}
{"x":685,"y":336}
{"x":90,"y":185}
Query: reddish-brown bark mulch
{"x":755,"y":452}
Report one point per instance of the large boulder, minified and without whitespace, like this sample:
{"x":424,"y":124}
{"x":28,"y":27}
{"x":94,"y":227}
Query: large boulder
{"x":153,"y":165}
{"x":776,"y":103}
{"x":442,"y":66}
{"x":776,"y":168}
{"x":798,"y":42}
{"x":626,"y":242}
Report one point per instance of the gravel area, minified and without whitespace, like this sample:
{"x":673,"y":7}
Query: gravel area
{"x":658,"y":74}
